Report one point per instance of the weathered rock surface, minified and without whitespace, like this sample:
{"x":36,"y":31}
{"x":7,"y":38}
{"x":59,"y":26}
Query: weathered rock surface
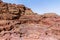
{"x":18,"y":22}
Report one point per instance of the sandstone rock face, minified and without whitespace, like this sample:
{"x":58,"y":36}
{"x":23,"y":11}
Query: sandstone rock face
{"x":10,"y":11}
{"x":18,"y":22}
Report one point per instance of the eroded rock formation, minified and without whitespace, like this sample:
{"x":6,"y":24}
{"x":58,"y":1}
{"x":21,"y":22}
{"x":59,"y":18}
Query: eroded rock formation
{"x":18,"y":22}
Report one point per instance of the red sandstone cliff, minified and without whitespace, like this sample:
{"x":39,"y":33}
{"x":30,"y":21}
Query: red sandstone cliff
{"x":18,"y":22}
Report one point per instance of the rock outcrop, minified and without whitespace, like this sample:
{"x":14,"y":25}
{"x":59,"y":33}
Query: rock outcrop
{"x":17,"y":22}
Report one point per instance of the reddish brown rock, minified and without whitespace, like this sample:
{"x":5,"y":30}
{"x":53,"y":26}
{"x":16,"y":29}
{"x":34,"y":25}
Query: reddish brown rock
{"x":18,"y":22}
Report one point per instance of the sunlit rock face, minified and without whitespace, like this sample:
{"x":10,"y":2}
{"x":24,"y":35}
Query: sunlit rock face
{"x":18,"y":22}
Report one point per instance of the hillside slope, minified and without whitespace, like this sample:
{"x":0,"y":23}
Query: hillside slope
{"x":17,"y":22}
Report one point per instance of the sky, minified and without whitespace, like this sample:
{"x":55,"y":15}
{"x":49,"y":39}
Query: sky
{"x":39,"y":6}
